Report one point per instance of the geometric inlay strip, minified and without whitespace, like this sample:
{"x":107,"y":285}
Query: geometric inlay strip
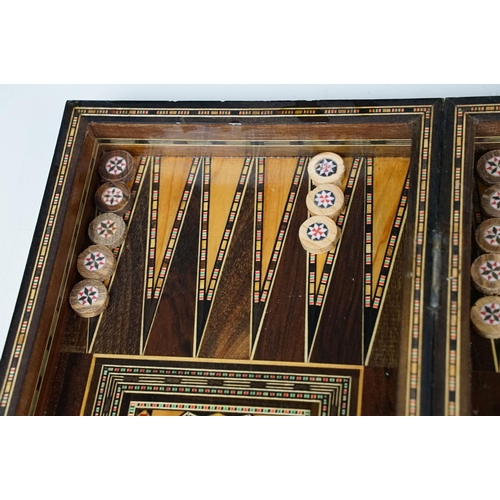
{"x":420,"y":236}
{"x":192,"y":409}
{"x":153,"y":227}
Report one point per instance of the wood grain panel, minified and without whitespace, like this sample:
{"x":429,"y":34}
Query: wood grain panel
{"x":292,"y":129}
{"x":379,"y":392}
{"x":68,"y":385}
{"x":173,"y":326}
{"x":386,"y":331}
{"x":75,"y":334}
{"x":389,"y":175}
{"x":282,"y":335}
{"x":485,"y":393}
{"x":227,"y":332}
{"x":340,"y":327}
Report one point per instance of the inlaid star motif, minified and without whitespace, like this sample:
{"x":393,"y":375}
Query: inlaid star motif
{"x":317,"y":231}
{"x":107,"y":228}
{"x":324,"y":199}
{"x":112,"y":196}
{"x":493,"y":166}
{"x":490,"y":314}
{"x":116,"y":165}
{"x":495,"y":200}
{"x":490,"y":270}
{"x":94,"y":261}
{"x":88,"y":295}
{"x":492,"y":235}
{"x":326,"y":167}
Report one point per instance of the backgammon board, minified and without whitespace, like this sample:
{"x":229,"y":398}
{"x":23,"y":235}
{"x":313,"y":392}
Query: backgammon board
{"x":215,"y":307}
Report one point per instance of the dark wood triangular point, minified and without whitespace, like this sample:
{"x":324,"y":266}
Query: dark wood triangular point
{"x":174,"y":326}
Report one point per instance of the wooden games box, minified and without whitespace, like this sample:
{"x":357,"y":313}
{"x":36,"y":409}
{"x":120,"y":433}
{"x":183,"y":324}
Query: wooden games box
{"x":215,"y":307}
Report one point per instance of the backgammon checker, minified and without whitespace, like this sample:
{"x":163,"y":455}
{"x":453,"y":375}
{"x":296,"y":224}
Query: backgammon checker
{"x":117,"y":166}
{"x":326,"y":168}
{"x":108,"y":229}
{"x":488,"y":167}
{"x":319,"y":234}
{"x":488,"y":235}
{"x":89,"y":298}
{"x":327,"y":200}
{"x":490,"y":201}
{"x":96,"y":262}
{"x":113,"y":197}
{"x":485,"y":316}
{"x":485,"y":273}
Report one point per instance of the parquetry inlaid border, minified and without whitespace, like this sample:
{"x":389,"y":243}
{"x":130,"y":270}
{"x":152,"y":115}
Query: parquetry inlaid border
{"x":116,"y":382}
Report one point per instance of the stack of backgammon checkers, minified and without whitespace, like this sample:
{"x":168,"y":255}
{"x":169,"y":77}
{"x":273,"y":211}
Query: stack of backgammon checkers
{"x":107,"y":231}
{"x":485,"y":270}
{"x":319,"y":234}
